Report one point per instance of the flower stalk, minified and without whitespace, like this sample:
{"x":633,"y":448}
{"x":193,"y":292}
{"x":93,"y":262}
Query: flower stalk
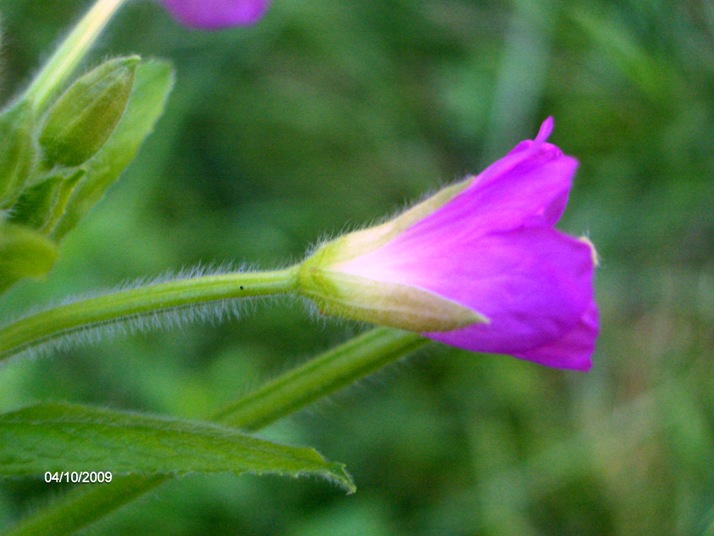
{"x":62,"y":322}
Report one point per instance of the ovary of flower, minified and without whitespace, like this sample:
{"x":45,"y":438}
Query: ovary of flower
{"x":478,"y":266}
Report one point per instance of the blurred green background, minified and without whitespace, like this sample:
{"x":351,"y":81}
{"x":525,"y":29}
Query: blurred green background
{"x":330,"y":114}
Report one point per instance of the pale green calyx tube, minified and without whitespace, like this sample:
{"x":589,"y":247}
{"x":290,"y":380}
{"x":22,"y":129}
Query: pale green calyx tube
{"x":388,"y":303}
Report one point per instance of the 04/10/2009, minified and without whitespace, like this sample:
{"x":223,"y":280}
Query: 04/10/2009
{"x":78,"y":477}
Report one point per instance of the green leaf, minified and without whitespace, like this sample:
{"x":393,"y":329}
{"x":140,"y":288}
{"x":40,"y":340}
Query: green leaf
{"x":152,"y":83}
{"x":68,"y":437}
{"x":41,"y":206}
{"x":23,"y":253}
{"x":17,"y":151}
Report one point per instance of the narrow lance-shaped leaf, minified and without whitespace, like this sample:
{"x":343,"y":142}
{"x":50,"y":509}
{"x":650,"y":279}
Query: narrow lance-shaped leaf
{"x":152,"y":84}
{"x":67,"y":437}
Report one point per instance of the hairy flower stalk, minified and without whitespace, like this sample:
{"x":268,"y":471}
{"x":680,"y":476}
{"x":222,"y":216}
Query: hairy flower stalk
{"x":478,"y":266}
{"x":153,"y":305}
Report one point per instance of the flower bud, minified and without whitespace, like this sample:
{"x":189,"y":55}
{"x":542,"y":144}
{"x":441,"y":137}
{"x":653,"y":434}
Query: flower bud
{"x":86,"y":114}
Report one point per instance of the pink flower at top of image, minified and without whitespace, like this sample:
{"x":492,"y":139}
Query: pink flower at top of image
{"x":478,"y":266}
{"x":216,"y":14}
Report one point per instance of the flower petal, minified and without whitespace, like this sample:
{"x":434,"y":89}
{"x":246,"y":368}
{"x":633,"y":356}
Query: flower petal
{"x":216,"y":14}
{"x":573,"y":350}
{"x":527,"y":188}
{"x":532,"y":284}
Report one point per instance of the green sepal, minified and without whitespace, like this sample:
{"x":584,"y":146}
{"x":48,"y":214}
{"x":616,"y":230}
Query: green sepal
{"x":18,"y":151}
{"x":61,"y":437}
{"x":367,"y":300}
{"x":152,"y":85}
{"x":85,"y":115}
{"x":23,"y":253}
{"x":41,"y":206}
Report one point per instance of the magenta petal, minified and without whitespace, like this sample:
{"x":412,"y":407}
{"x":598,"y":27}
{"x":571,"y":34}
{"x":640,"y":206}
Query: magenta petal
{"x":216,"y":14}
{"x":528,"y":188}
{"x":533,"y":284}
{"x":573,"y":350}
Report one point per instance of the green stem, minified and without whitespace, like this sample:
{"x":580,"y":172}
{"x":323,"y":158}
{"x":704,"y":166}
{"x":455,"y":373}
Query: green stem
{"x":278,"y":398}
{"x":131,"y":304}
{"x":320,"y":377}
{"x":66,"y":58}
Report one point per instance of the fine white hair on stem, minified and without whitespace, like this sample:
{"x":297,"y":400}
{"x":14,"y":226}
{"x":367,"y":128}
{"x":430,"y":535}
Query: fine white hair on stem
{"x":190,"y":272}
{"x":176,"y":317}
{"x":164,"y":320}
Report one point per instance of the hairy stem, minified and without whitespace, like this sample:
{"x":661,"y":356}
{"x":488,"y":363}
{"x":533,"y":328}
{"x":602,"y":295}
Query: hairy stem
{"x":136,"y":303}
{"x":284,"y":395}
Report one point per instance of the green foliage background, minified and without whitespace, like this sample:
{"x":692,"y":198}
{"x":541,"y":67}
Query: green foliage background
{"x":329,"y":115}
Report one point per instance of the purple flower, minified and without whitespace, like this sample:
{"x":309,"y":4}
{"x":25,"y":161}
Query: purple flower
{"x":482,"y":255}
{"x":216,"y":14}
